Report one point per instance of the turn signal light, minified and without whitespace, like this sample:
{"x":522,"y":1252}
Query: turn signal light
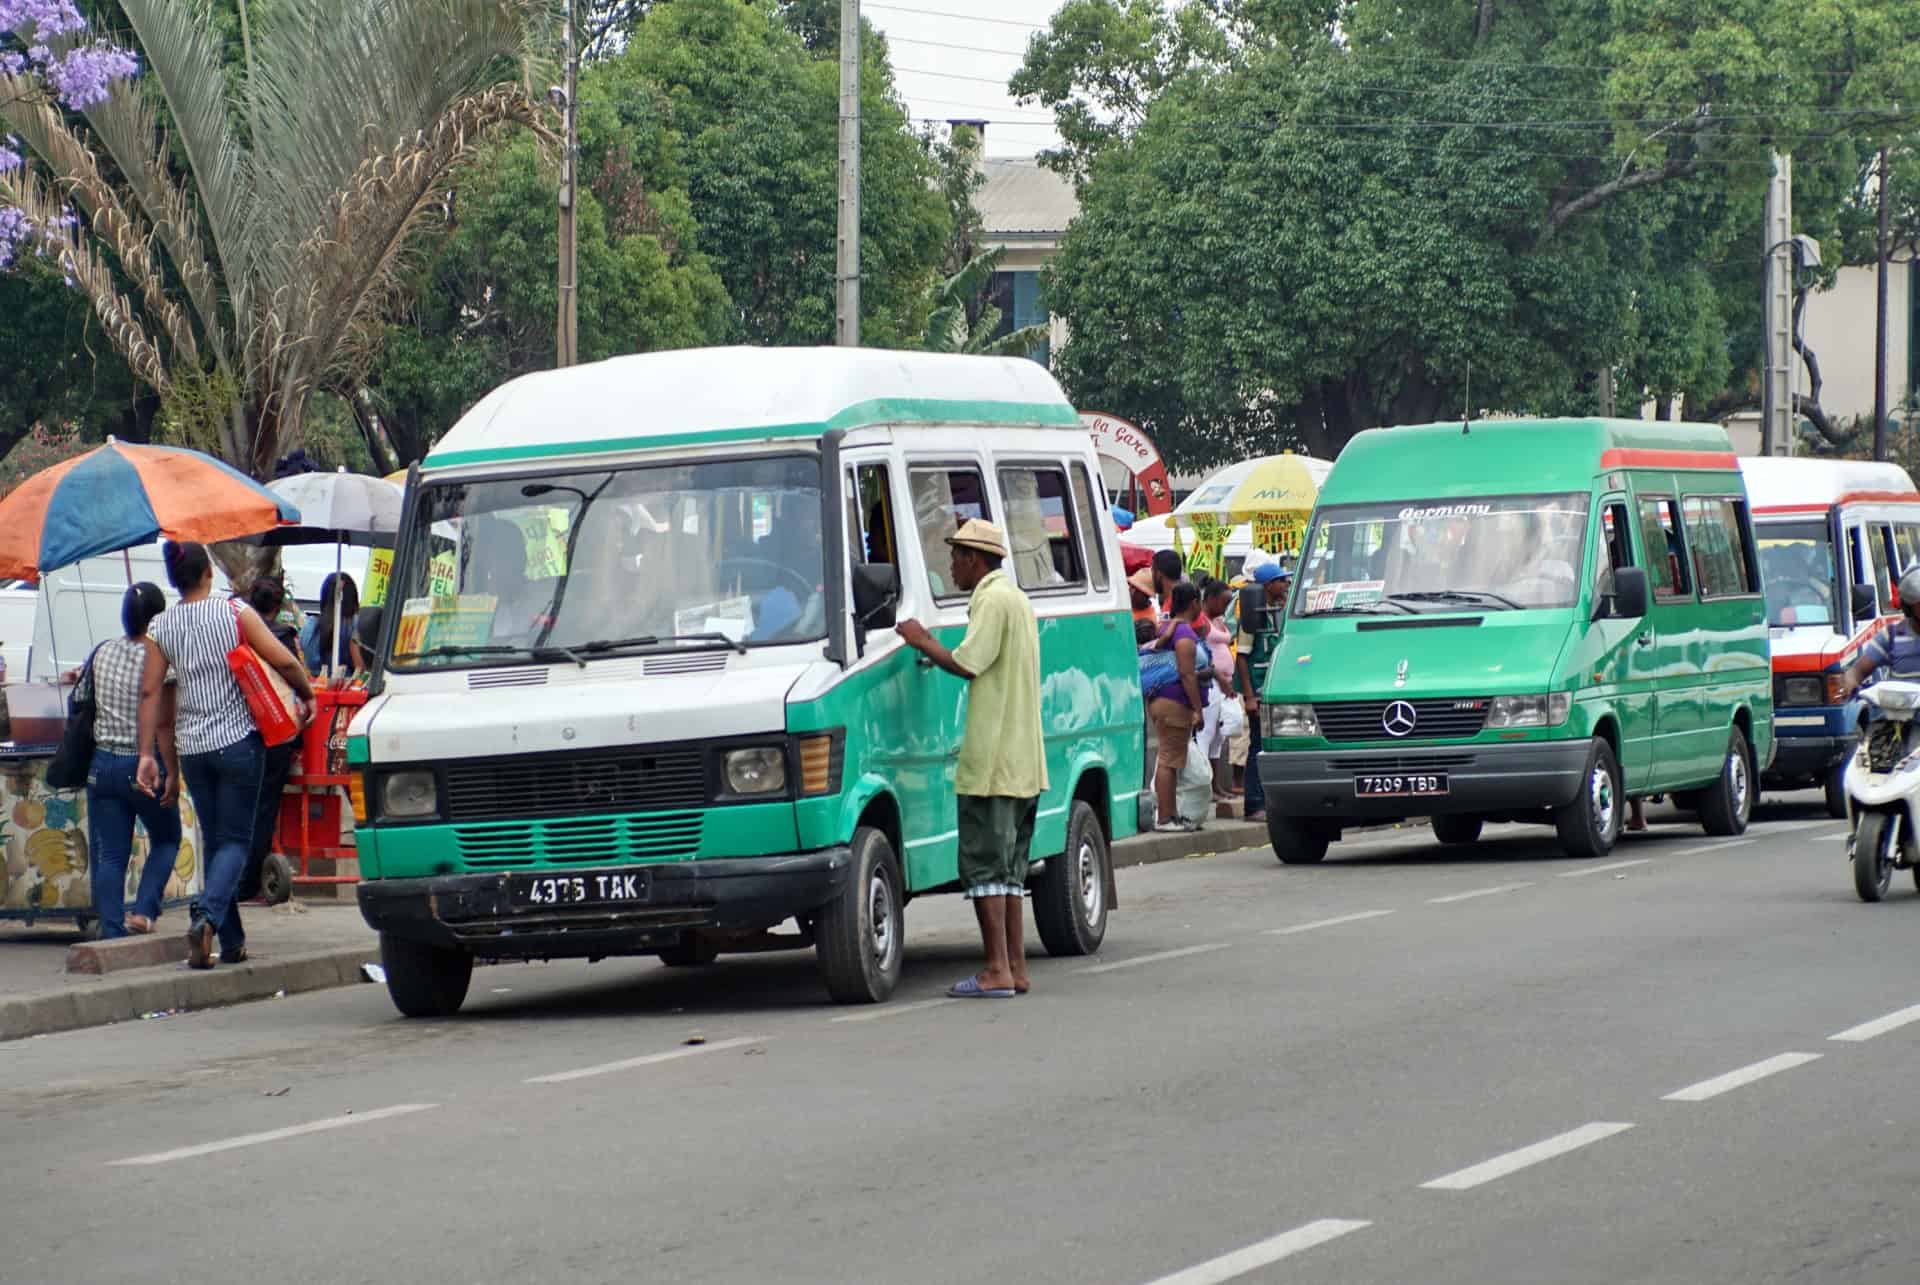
{"x":357,"y":794}
{"x":816,"y":764}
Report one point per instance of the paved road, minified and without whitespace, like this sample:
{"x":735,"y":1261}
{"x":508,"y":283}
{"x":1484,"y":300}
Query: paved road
{"x":1407,"y":1065}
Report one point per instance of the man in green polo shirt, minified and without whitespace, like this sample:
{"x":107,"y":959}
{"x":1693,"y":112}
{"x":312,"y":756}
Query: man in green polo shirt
{"x":1003,"y":768}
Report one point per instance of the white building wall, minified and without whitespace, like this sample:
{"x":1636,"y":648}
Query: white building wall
{"x":1838,"y":325}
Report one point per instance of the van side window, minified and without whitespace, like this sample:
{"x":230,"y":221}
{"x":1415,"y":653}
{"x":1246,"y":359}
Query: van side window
{"x":871,"y":520}
{"x":1666,"y":548}
{"x":944,"y":499}
{"x":1879,"y":543}
{"x":1717,"y":530}
{"x":1040,"y":528}
{"x":1616,"y":541}
{"x":1906,"y":542}
{"x":1090,"y":541}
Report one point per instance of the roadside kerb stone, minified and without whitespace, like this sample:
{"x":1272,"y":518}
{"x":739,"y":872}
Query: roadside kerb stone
{"x":127,"y":998}
{"x":148,"y":951}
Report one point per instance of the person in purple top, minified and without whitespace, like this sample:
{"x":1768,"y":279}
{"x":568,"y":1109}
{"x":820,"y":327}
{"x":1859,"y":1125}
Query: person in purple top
{"x":1176,"y":707}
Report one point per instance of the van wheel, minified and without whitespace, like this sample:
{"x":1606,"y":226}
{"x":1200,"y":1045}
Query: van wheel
{"x":857,"y":936}
{"x":1837,"y":791}
{"x":424,"y":980}
{"x":1070,"y":897}
{"x":1590,"y":824}
{"x":1457,"y":828}
{"x":1296,"y":841}
{"x":1727,"y":805}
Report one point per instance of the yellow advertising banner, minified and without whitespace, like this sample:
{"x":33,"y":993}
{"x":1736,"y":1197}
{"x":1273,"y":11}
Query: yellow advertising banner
{"x":1209,"y":545}
{"x":1279,"y":533}
{"x":379,"y":572}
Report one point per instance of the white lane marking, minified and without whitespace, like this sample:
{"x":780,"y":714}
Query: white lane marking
{"x":1327,"y":923}
{"x":1156,"y":958}
{"x":1477,"y":892}
{"x":1833,"y":838}
{"x":1261,"y":1253}
{"x":1878,"y":1026}
{"x":276,"y":1135}
{"x":894,"y":1010}
{"x":651,"y":1059}
{"x":1745,"y":1075}
{"x":1712,"y":847}
{"x":1600,"y":870}
{"x":1778,"y":827}
{"x":1514,"y":1161}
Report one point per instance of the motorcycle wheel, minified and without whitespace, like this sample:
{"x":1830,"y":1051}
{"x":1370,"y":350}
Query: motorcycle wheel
{"x":1874,"y":844}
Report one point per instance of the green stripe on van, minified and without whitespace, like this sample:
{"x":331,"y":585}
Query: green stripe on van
{"x":861,"y":415}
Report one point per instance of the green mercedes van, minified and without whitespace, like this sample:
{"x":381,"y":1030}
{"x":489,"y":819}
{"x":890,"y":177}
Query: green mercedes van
{"x":639,"y":691}
{"x":1521,"y":620}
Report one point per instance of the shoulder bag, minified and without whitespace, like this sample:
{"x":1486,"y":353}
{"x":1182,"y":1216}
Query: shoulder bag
{"x":72,"y":763}
{"x":275,"y":709}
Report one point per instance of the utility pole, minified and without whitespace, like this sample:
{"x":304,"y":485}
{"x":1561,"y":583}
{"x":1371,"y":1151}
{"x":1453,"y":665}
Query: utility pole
{"x":846,"y":259}
{"x":1880,"y":322}
{"x":1776,"y":382}
{"x":566,"y":347}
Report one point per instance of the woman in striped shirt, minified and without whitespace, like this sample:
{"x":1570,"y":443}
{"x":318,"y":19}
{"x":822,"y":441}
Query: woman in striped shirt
{"x":221,"y":754}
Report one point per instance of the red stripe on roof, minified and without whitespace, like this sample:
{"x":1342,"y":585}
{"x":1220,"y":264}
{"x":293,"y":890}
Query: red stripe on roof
{"x":1643,"y":457}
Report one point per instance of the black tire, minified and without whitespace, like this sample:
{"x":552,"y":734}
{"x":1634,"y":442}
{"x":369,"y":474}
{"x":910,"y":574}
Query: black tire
{"x":276,"y":878}
{"x":423,"y":980}
{"x":1457,"y":828}
{"x":1070,"y":897}
{"x":1590,"y":825}
{"x":1687,"y":800}
{"x":691,"y":951}
{"x":1727,"y":805}
{"x":1872,"y":860}
{"x":858,"y":935}
{"x":1298,"y":841}
{"x":1837,"y":793}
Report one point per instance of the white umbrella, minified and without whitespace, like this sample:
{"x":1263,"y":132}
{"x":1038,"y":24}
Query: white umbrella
{"x":338,"y":508}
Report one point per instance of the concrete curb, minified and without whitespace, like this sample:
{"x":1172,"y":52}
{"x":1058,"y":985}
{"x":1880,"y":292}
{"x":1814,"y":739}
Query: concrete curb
{"x":125,"y":999}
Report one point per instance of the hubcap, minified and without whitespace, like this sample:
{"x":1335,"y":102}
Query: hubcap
{"x":1737,"y":779}
{"x":1093,"y":889}
{"x":880,"y":916}
{"x":1600,"y":799}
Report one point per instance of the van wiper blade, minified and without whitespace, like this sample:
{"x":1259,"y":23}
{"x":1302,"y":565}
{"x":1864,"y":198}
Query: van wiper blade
{"x":553,"y":652}
{"x":600,"y":646}
{"x":1457,"y":595}
{"x":460,"y":649}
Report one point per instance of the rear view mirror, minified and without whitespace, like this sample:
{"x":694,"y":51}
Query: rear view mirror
{"x":876,"y":592}
{"x":1630,"y":592}
{"x":1866,"y":604}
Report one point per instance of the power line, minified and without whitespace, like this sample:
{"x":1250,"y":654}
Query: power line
{"x":951,"y":75}
{"x":941,"y":44}
{"x":963,"y":17}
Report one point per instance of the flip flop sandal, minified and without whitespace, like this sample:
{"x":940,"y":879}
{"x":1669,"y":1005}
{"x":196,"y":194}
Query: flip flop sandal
{"x":971,"y":988}
{"x":138,"y":924}
{"x":200,"y":946}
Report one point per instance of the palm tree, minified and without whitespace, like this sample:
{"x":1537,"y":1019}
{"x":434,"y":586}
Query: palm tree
{"x":949,"y":329}
{"x":258,"y":232}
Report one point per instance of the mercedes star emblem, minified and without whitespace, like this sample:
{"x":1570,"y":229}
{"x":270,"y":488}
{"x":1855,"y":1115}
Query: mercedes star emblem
{"x":1399,"y":718}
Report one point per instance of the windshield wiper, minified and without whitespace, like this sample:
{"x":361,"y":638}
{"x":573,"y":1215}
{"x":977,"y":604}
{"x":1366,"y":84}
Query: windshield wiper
{"x":1457,"y":595}
{"x":553,"y":651}
{"x":460,"y":649}
{"x":600,"y":646}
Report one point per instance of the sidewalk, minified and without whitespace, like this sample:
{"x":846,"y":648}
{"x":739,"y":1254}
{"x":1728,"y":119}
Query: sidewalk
{"x":311,"y":945}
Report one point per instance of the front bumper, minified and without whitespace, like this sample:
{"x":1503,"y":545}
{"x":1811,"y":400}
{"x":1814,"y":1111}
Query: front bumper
{"x":1523,"y":777}
{"x":473,"y":912}
{"x":1802,"y":760}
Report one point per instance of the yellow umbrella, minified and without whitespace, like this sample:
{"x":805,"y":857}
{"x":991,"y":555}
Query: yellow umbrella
{"x":1274,"y":494}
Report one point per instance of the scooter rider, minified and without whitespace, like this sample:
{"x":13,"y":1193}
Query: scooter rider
{"x":1895,"y":648}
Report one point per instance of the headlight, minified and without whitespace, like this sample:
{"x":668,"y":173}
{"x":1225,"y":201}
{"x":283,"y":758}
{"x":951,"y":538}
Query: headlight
{"x":1288,"y":720}
{"x":757,"y":771}
{"x":1546,"y":710}
{"x":408,"y":794}
{"x":1807,"y":689}
{"x":1895,"y":696}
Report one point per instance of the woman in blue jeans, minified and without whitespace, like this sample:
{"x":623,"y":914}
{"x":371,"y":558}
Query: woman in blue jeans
{"x":221,"y":754}
{"x":113,"y":677}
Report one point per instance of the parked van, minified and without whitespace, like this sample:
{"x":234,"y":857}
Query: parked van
{"x":1820,"y":606}
{"x":1521,"y":620}
{"x":640,"y":691}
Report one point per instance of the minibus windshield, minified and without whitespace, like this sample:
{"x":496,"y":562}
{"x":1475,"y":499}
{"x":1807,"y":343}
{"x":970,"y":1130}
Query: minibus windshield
{"x":570,"y":566}
{"x":1796,"y":568}
{"x":1499,"y":553}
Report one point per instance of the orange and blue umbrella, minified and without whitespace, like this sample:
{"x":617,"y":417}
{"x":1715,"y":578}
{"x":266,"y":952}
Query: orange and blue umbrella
{"x":123,"y":495}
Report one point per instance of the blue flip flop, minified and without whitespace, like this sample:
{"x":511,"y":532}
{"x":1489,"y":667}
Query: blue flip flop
{"x":971,"y":988}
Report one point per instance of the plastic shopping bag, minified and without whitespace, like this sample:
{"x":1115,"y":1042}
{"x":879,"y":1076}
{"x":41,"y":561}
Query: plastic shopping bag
{"x":1233,"y":717}
{"x":1193,"y":789}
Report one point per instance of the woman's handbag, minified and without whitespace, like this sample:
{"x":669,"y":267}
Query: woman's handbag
{"x":275,"y":709}
{"x":1159,"y":666}
{"x":72,"y":763}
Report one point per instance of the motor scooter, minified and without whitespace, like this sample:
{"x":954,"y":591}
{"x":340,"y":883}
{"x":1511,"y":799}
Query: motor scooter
{"x":1883,"y":789}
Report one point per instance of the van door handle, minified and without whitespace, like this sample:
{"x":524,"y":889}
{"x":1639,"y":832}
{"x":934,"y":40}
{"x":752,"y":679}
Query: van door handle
{"x":925,"y":661}
{"x":1644,"y":640}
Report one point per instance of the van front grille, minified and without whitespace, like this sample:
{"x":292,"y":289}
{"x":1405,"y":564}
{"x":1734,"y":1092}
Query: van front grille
{"x":587,"y":840}
{"x":567,"y":785}
{"x":1431,"y":719}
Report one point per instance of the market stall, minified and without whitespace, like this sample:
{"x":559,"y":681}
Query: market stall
{"x":115,"y":498}
{"x":1271,"y":497}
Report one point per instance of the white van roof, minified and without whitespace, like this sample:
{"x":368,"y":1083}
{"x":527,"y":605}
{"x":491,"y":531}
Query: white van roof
{"x":744,"y":394}
{"x":1779,"y":484}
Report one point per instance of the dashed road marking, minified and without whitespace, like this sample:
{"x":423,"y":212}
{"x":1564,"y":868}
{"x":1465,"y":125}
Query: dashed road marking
{"x":651,"y":1059}
{"x":894,"y":1010}
{"x":1157,"y":957}
{"x":1735,"y":1079}
{"x":1477,"y":892}
{"x":1600,"y":870}
{"x":277,"y":1135}
{"x":1878,"y":1026}
{"x":1327,"y":923}
{"x":1514,"y":1161}
{"x":1262,"y":1253}
{"x":1712,"y":847}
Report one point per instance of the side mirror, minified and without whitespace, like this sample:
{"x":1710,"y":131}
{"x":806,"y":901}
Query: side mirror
{"x":876,"y":592}
{"x":1253,"y":601}
{"x":1630,"y":592}
{"x":1866,"y":604}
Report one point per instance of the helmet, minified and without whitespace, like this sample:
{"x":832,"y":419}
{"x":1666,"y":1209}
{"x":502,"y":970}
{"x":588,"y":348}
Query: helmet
{"x":1908,"y":593}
